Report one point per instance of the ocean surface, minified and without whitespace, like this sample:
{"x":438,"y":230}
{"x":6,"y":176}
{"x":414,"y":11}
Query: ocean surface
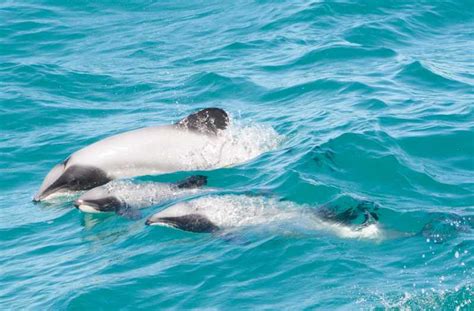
{"x":338,"y":104}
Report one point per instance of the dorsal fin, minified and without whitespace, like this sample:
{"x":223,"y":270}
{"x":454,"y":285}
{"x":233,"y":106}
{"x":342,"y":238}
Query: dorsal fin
{"x":207,"y":121}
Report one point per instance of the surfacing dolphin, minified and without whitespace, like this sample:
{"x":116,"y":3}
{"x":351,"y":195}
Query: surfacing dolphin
{"x":125,"y":197}
{"x":194,"y":143}
{"x":212,"y":213}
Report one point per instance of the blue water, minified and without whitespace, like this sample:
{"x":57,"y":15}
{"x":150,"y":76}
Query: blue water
{"x":373,"y":99}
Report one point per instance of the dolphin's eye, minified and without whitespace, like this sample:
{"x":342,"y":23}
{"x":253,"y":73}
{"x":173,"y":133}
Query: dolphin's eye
{"x":73,"y":180}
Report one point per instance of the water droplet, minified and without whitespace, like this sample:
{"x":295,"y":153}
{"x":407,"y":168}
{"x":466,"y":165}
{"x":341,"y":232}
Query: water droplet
{"x":456,"y":254}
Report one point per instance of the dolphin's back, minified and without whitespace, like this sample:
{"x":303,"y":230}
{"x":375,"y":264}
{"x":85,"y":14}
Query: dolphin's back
{"x":146,"y":151}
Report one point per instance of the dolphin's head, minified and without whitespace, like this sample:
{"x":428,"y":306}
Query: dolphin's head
{"x":98,"y":200}
{"x":184,"y":217}
{"x":64,"y":178}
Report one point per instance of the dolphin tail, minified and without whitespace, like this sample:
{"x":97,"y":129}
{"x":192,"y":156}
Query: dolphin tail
{"x":195,"y":181}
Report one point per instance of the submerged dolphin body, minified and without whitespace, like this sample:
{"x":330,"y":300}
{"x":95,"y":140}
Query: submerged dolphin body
{"x":123,"y":197}
{"x":212,"y":213}
{"x":194,"y":143}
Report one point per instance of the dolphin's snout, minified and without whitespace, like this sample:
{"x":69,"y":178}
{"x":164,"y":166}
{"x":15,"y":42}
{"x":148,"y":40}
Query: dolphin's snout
{"x":78,"y":203}
{"x":153,"y":221}
{"x":73,"y":178}
{"x":89,"y":203}
{"x":86,"y":206}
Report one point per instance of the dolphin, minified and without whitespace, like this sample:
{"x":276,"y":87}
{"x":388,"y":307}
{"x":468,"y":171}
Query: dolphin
{"x":124,"y":197}
{"x":194,"y":143}
{"x":209,"y":214}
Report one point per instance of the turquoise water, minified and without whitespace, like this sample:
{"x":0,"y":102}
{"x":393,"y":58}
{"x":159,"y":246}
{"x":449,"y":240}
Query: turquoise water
{"x":374,"y":101}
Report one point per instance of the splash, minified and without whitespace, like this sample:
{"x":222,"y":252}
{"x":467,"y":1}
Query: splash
{"x":142,"y":195}
{"x":240,"y":143}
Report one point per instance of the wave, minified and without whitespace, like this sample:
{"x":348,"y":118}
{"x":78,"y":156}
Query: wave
{"x":203,"y":86}
{"x":333,"y":54}
{"x":320,"y":86}
{"x":417,"y":73}
{"x":375,"y":34}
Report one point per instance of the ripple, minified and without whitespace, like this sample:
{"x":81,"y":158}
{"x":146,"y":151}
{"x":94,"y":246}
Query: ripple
{"x":334,"y":53}
{"x":203,"y":84}
{"x":416,"y":73}
{"x":375,"y":33}
{"x":317,"y":86}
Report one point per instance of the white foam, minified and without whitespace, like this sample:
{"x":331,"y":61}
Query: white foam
{"x":245,"y":142}
{"x":370,"y":232}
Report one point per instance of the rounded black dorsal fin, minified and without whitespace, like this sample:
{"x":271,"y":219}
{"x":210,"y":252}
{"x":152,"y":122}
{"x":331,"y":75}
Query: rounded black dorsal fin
{"x":208,"y":121}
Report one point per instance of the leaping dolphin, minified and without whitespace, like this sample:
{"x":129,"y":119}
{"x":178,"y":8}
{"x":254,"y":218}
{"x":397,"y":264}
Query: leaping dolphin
{"x":194,"y":143}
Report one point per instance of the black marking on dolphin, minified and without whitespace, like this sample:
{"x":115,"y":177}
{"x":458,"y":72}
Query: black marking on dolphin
{"x":192,"y":222}
{"x":363,"y":214}
{"x":66,"y":161}
{"x":111,"y":204}
{"x":76,"y":177}
{"x":107,"y":204}
{"x":207,"y":121}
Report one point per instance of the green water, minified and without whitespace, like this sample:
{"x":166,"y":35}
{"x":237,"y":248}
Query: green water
{"x":373,"y":101}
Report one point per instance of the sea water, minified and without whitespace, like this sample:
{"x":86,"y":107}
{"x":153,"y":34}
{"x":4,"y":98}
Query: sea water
{"x":352,"y":101}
